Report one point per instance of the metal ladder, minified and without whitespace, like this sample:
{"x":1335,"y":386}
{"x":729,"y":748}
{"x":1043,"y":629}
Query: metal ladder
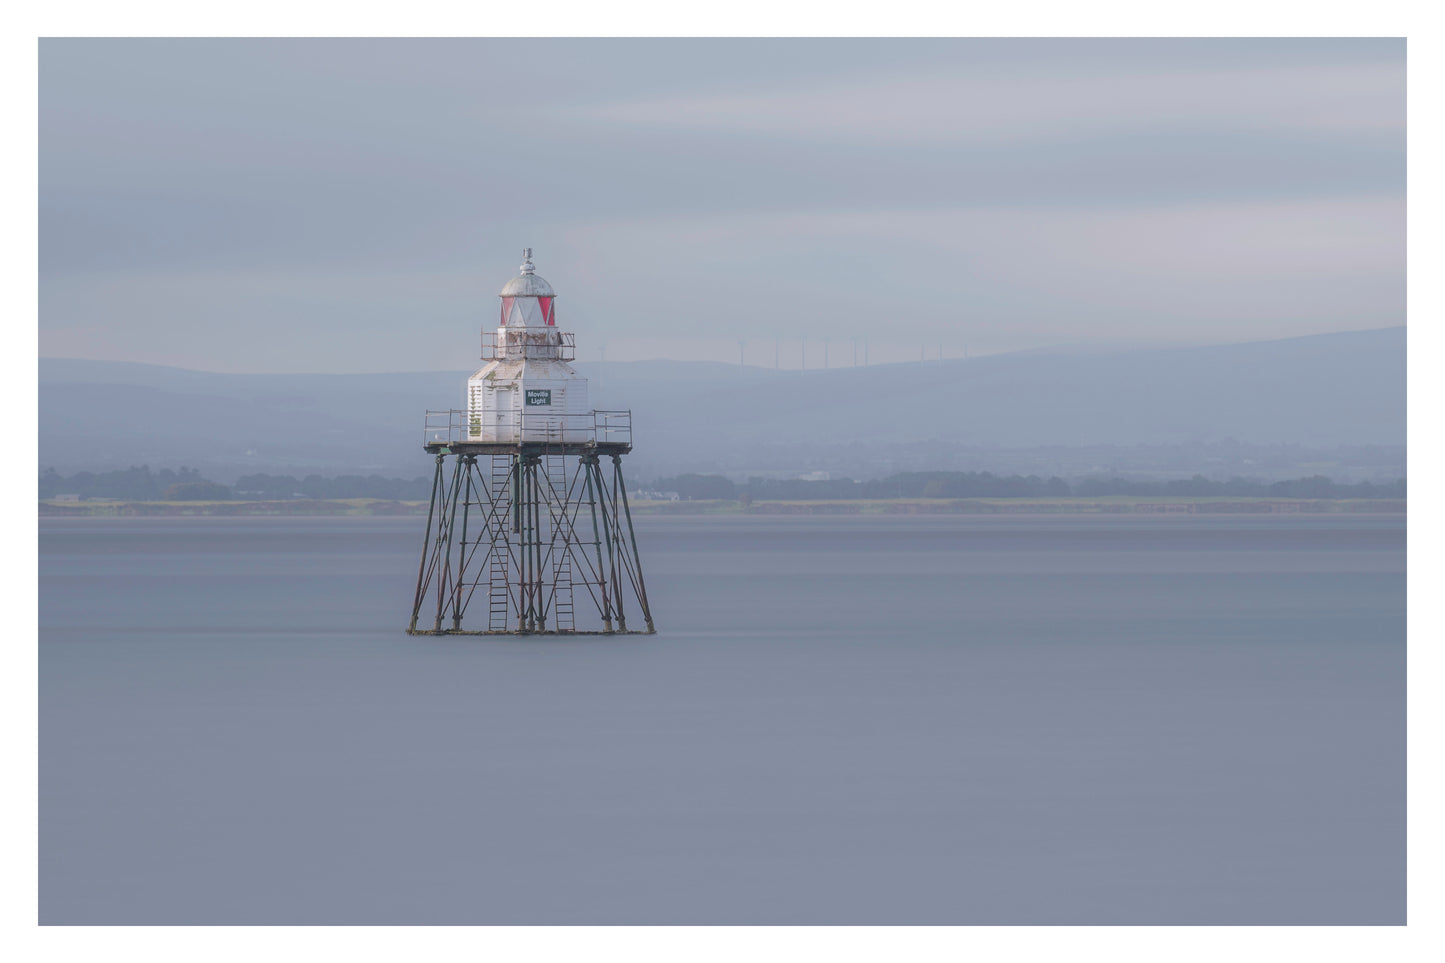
{"x":499,"y":605}
{"x":563,"y":619}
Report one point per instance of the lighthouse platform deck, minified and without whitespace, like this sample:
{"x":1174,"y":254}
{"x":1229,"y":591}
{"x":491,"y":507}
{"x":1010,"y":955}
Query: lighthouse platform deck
{"x":458,"y":431}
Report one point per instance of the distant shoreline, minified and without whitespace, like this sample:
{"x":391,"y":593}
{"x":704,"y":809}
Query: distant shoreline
{"x":1103,"y":505}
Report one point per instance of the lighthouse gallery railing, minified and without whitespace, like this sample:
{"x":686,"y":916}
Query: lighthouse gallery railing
{"x":459,"y":426}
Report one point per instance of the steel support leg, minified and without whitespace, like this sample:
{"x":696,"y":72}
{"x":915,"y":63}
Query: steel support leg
{"x":467,"y":461}
{"x":426,"y":546}
{"x":589,"y":465}
{"x":636,"y":558}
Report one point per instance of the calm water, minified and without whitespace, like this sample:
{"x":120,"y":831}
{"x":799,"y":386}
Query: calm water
{"x":843,"y":720}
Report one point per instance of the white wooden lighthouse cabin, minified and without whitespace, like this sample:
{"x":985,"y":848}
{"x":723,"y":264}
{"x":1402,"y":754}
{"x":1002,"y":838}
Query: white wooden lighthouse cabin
{"x":528,"y":392}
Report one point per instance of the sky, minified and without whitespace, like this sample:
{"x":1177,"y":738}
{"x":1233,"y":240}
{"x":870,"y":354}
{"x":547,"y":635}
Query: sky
{"x":355,"y":205}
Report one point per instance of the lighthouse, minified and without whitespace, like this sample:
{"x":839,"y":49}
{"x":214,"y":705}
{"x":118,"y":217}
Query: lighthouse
{"x":529,"y":530}
{"x":527,"y":391}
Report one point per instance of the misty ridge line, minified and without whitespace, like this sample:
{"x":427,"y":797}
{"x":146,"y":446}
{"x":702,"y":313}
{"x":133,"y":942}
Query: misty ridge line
{"x":1331,"y":405}
{"x":841,"y":361}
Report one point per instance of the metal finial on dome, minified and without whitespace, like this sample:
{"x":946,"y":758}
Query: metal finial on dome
{"x":527,"y":284}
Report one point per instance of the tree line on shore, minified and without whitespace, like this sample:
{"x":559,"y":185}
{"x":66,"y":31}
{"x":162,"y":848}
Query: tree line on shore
{"x":143,"y":484}
{"x":959,"y":484}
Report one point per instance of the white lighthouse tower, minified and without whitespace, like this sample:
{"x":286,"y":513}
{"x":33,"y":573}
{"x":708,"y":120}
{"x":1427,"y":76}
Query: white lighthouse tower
{"x":528,"y":532}
{"x":528,"y":391}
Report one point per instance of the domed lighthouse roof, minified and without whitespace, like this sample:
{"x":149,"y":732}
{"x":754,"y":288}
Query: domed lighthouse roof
{"x":528,"y":284}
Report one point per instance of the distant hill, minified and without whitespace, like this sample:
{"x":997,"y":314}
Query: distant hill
{"x":1322,"y":392}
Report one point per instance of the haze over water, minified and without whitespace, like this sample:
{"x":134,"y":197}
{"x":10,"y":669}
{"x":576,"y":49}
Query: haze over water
{"x":843,"y":720}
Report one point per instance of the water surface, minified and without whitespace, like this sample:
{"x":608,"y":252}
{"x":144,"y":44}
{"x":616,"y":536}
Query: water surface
{"x":843,"y":720}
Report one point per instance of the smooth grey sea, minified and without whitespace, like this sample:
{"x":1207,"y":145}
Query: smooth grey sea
{"x":931,"y":719}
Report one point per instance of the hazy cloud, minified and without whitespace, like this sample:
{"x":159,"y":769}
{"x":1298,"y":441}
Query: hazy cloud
{"x":1018,"y":277}
{"x":939,"y":106}
{"x":360,"y":202}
